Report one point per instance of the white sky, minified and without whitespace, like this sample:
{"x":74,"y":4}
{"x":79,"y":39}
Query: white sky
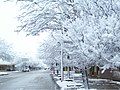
{"x":21,"y":44}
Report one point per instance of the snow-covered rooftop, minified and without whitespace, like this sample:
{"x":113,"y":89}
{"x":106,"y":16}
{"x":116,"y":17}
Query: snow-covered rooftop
{"x":2,"y":62}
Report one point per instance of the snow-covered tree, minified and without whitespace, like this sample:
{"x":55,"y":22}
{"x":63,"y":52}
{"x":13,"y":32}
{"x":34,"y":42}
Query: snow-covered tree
{"x":6,"y":51}
{"x":93,"y":25}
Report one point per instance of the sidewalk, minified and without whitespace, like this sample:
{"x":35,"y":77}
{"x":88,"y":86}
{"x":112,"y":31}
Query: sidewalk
{"x":68,"y":84}
{"x":3,"y":73}
{"x":95,"y":84}
{"x":106,"y":84}
{"x":6,"y":72}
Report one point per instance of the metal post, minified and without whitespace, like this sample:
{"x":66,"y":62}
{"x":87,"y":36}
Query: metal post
{"x":62,"y":73}
{"x":62,"y":77}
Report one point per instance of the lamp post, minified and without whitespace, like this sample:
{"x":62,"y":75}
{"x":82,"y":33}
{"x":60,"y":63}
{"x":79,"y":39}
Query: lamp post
{"x":62,"y":73}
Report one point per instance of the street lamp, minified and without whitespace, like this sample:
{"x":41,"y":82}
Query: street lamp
{"x":61,"y":61}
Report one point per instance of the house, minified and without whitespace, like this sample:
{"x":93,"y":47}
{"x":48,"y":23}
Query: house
{"x":109,"y":73}
{"x":94,"y":71}
{"x":6,"y":66}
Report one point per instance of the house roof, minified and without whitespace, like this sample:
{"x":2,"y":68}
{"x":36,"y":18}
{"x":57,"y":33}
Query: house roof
{"x":2,"y":62}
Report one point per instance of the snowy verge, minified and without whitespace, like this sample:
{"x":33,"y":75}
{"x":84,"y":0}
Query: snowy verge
{"x":7,"y":72}
{"x":106,"y":80}
{"x":97,"y":80}
{"x":70,"y":84}
{"x":3,"y":73}
{"x":116,"y":82}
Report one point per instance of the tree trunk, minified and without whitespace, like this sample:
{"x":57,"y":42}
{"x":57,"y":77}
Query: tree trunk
{"x":85,"y":78}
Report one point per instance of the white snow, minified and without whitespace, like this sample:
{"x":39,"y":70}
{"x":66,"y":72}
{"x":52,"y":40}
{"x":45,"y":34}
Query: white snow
{"x":107,"y":66}
{"x":55,"y":77}
{"x":115,"y":82}
{"x":97,"y":80}
{"x":85,"y":89}
{"x":77,"y":75}
{"x":8,"y":72}
{"x":69,"y":84}
{"x":3,"y":73}
{"x":106,"y":80}
{"x":4,"y":62}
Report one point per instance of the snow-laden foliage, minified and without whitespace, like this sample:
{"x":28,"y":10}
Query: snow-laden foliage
{"x":6,"y":51}
{"x":50,"y":51}
{"x":92,"y":25}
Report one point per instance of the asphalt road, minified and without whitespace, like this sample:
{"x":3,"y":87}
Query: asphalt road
{"x":33,"y":80}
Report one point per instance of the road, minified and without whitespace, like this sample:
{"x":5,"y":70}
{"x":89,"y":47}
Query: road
{"x":33,"y":80}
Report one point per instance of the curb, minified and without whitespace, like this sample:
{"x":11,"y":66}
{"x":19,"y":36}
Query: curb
{"x":54,"y":81}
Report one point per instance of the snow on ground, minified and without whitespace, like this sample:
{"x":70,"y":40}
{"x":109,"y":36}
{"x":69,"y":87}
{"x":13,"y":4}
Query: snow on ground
{"x":77,"y":75}
{"x":69,"y":84}
{"x":106,"y":80}
{"x":85,"y":89}
{"x":115,"y":82}
{"x":97,"y":80}
{"x":7,"y":72}
{"x":55,"y":77}
{"x":3,"y":73}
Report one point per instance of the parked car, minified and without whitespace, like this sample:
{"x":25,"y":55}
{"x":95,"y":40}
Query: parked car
{"x":26,"y":70}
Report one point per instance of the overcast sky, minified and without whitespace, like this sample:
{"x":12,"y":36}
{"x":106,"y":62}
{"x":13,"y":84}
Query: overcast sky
{"x":21,"y":44}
